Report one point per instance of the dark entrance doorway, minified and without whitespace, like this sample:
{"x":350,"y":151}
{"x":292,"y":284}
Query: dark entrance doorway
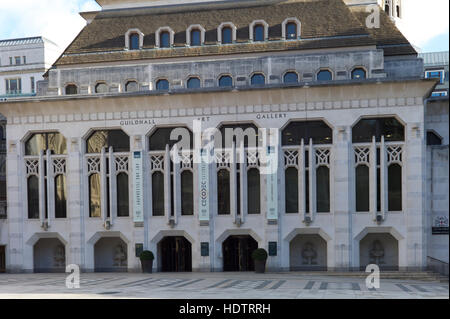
{"x":2,"y":259}
{"x":175,"y":254}
{"x":237,"y":253}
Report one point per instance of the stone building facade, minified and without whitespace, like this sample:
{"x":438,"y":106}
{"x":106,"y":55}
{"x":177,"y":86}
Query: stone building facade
{"x":335,"y":179}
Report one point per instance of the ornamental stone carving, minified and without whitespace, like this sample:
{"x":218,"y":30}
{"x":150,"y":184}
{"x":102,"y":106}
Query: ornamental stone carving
{"x":377,"y":253}
{"x":309,"y":254}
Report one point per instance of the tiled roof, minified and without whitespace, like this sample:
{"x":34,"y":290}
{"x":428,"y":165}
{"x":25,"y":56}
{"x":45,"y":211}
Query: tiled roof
{"x":435,"y":58}
{"x":324,"y":24}
{"x":21,"y":41}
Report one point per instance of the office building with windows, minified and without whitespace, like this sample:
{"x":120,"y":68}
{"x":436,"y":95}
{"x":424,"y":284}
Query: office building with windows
{"x":201,"y":130}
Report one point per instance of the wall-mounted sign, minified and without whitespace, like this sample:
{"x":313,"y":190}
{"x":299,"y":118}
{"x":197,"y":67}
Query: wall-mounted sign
{"x":138,"y":205}
{"x":203,"y":180}
{"x":272,"y":184}
{"x":440,"y":226}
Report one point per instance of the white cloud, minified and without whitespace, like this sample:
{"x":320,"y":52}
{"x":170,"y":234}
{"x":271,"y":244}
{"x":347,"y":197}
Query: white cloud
{"x":57,"y":20}
{"x":424,"y":20}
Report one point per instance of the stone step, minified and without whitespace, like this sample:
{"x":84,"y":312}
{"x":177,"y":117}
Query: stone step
{"x":421,"y":276}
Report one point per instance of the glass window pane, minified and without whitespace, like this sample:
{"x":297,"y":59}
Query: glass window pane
{"x":323,"y":189}
{"x":195,"y":38}
{"x":227,"y":35}
{"x":223,"y":192}
{"x":193,"y":83}
{"x":158,"y":194}
{"x":161,"y":137}
{"x":134,"y":41}
{"x":56,"y":143}
{"x":35,"y":144}
{"x":358,"y":74}
{"x":71,"y":89}
{"x":164,"y":41}
{"x":94,"y":196}
{"x":238,"y":192}
{"x":324,"y":75}
{"x":236,"y":132}
{"x":118,"y":139}
{"x":225,"y":81}
{"x":389,"y":127}
{"x":258,"y":79}
{"x":306,"y":186}
{"x":131,"y":86}
{"x":318,"y":131}
{"x":187,"y":193}
{"x":33,"y":197}
{"x":291,"y":77}
{"x":258,"y":33}
{"x":362,"y":188}
{"x":60,"y":197}
{"x":291,"y":192}
{"x":254,"y":191}
{"x":395,"y":188}
{"x":291,"y":31}
{"x":122,"y":195}
{"x":162,"y":85}
{"x":433,"y":139}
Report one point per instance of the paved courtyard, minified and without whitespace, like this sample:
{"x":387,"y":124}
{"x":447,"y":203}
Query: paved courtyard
{"x":213,"y":285}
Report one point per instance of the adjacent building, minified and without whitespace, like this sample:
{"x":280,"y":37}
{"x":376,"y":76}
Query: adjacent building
{"x":201,"y":130}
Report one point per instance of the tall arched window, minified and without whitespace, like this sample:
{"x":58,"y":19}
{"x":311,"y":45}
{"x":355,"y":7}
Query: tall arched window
{"x":164,"y":39}
{"x":290,"y":77}
{"x":362,"y":188}
{"x":162,"y":85}
{"x":258,"y":32}
{"x":196,"y":37}
{"x":71,"y":89}
{"x":131,"y":86}
{"x":291,"y":190}
{"x":258,"y":79}
{"x":94,"y":195}
{"x":253,"y":191}
{"x":291,"y":31}
{"x":33,"y":197}
{"x":223,"y":192}
{"x":324,"y":75}
{"x":158,"y":193}
{"x":187,"y":193}
{"x":226,"y":81}
{"x":122,"y":195}
{"x":134,"y":41}
{"x":193,"y":83}
{"x":60,"y":196}
{"x":227,"y":35}
{"x":358,"y":74}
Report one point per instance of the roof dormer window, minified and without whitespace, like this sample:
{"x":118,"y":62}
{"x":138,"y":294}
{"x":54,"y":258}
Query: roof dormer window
{"x":259,"y":31}
{"x":291,"y":28}
{"x":226,"y":33}
{"x":134,"y":39}
{"x":164,"y":37}
{"x":195,"y":35}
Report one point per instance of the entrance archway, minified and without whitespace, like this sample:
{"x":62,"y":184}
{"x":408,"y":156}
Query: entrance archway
{"x":175,"y":254}
{"x":49,"y":255}
{"x":237,"y":253}
{"x":308,"y":252}
{"x":110,"y":255}
{"x":380,"y":249}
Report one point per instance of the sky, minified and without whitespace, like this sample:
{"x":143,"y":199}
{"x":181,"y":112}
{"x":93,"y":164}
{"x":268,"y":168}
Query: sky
{"x":426,"y":23}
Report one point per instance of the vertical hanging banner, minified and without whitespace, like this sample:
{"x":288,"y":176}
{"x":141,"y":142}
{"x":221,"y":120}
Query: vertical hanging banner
{"x":138,"y":207}
{"x":203,"y":180}
{"x":272,"y":183}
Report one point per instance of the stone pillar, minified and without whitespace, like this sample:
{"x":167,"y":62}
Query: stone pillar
{"x":341,"y":245}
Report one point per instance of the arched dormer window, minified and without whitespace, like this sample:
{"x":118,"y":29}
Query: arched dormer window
{"x":259,"y":31}
{"x":358,"y":74}
{"x":164,"y":37}
{"x":290,"y":77}
{"x":193,"y":83}
{"x":101,"y":87}
{"x":324,"y":75}
{"x":258,"y":79}
{"x":71,"y":89}
{"x":134,"y":39}
{"x":226,"y":33}
{"x":225,"y":81}
{"x":195,"y":35}
{"x":162,"y":85}
{"x":131,"y":86}
{"x":291,"y":29}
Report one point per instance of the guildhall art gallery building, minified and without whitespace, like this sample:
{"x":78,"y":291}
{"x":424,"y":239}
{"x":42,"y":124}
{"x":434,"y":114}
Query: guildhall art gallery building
{"x":204,"y":129}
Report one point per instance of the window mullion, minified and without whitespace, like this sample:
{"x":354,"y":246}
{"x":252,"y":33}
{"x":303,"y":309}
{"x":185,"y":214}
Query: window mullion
{"x":233,"y":183}
{"x":41,"y":187}
{"x":176,"y":184}
{"x":312,"y":180}
{"x":167,"y":185}
{"x":373,"y":178}
{"x":301,"y":181}
{"x":103,"y":184}
{"x":243,"y":182}
{"x":112,"y":186}
{"x":383,"y":177}
{"x":50,"y":187}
